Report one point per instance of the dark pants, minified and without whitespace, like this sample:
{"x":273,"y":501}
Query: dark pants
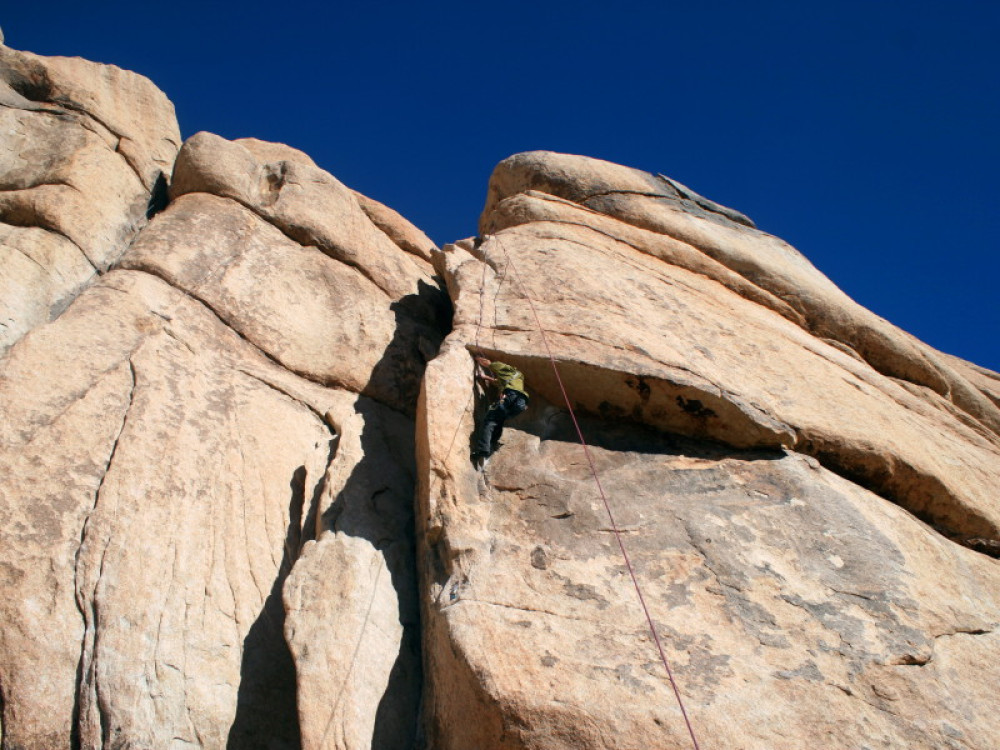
{"x":511,"y":404}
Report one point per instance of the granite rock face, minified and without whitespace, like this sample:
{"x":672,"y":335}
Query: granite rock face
{"x":87,"y":149}
{"x":237,"y":508}
{"x":206,"y":513}
{"x":801,"y":487}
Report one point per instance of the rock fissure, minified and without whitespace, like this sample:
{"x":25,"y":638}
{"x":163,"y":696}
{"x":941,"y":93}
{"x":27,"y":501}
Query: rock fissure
{"x":24,"y":253}
{"x":519,"y":608}
{"x":86,"y":601}
{"x":35,"y":186}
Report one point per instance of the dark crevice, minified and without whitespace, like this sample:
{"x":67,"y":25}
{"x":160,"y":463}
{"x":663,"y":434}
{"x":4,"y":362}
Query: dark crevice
{"x":923,"y":495}
{"x":159,"y":196}
{"x":3,"y":714}
{"x":278,"y":389}
{"x":988,"y":547}
{"x":307,"y":522}
{"x":53,"y":183}
{"x":708,"y":204}
{"x":704,"y":411}
{"x":266,"y":700}
{"x":379,"y":509}
{"x":699,"y":209}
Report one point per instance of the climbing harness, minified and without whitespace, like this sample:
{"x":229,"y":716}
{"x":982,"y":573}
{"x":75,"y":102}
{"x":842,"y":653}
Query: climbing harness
{"x":600,"y":489}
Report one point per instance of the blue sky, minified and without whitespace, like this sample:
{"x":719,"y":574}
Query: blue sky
{"x":867,"y":134}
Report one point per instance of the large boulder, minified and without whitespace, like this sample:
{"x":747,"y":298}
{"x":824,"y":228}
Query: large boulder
{"x":216,"y":433}
{"x":85,"y":155}
{"x":802,"y":519}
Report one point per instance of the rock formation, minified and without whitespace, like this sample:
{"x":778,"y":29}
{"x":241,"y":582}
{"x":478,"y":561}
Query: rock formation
{"x":237,"y":508}
{"x":765,"y":457}
{"x":86,"y":151}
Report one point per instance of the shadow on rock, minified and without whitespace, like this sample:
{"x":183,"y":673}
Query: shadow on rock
{"x":376,"y":501}
{"x":547,"y":421}
{"x":266,"y":710}
{"x":422,"y":321}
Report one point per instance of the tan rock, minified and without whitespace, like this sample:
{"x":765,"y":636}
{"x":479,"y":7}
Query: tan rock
{"x":211,"y":390}
{"x":353,"y":624}
{"x":363,"y":315}
{"x":309,"y":205}
{"x":840,"y":408}
{"x":795,"y":605}
{"x":406,"y":236}
{"x":292,"y":302}
{"x":658,"y":204}
{"x":41,"y":273}
{"x":266,"y":151}
{"x":121,"y":105}
{"x":153,"y":487}
{"x":85,"y":147}
{"x":206,"y":530}
{"x":153,"y":562}
{"x":792,"y":604}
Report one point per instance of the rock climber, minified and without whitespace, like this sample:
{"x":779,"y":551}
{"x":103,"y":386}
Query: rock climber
{"x":513,"y":400}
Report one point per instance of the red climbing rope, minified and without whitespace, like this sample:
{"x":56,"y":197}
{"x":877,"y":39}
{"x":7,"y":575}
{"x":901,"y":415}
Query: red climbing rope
{"x":607,"y":505}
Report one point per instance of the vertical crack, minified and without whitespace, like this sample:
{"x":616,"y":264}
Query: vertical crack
{"x":85,"y":600}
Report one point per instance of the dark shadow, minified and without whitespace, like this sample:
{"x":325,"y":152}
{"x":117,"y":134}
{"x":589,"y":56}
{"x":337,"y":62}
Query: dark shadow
{"x":610,"y":427}
{"x":30,"y":79}
{"x":376,"y":502}
{"x":395,"y":728}
{"x":158,"y":196}
{"x":422,"y":321}
{"x":625,"y":434}
{"x":266,"y":706}
{"x":74,"y":731}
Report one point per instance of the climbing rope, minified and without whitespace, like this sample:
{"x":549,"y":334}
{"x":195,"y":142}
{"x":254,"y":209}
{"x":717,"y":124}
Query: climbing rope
{"x":600,"y":489}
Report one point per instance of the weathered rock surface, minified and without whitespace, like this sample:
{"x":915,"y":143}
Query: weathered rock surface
{"x":868,"y":423}
{"x":86,"y":148}
{"x":211,"y":448}
{"x":226,"y":406}
{"x":801,"y":601}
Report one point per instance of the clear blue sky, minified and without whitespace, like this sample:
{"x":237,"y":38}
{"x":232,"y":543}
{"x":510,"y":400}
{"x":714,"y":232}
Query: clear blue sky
{"x":866,"y":133}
